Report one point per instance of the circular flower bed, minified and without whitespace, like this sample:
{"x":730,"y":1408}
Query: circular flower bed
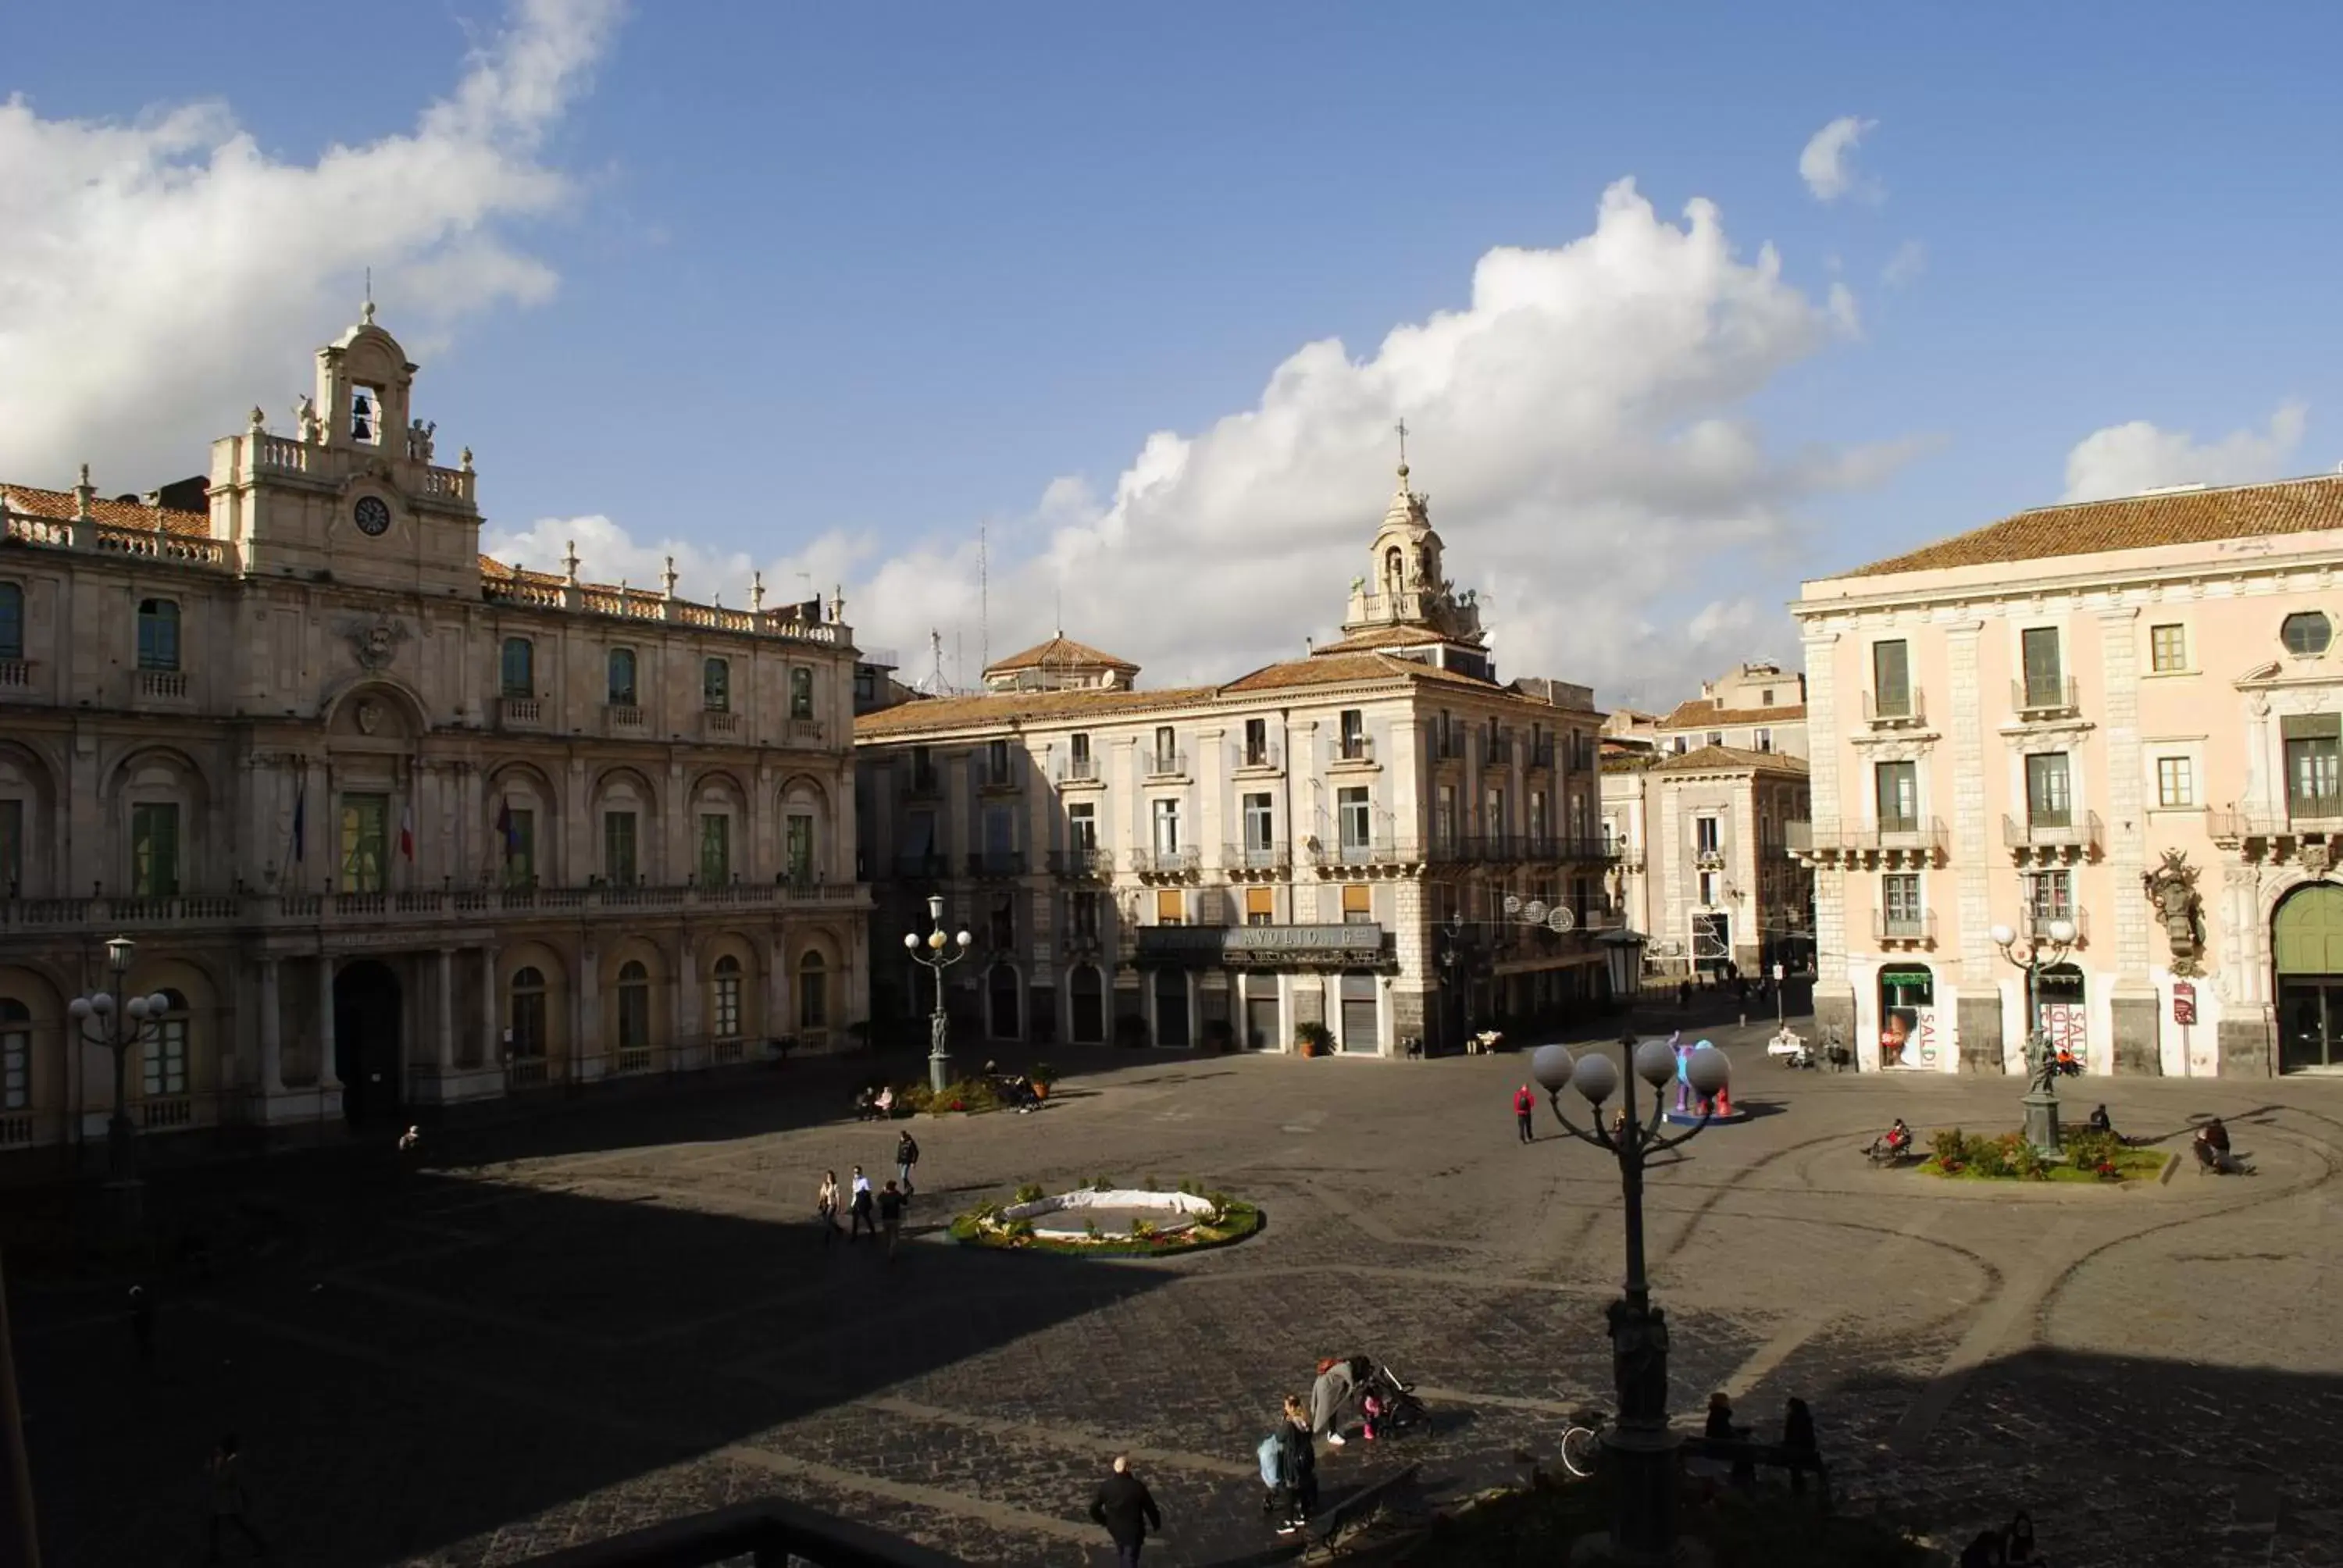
{"x":1104,"y":1219}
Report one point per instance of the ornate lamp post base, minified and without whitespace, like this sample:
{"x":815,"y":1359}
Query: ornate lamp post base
{"x":2042,"y":1122}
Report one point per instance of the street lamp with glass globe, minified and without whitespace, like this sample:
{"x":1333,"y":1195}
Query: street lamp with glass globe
{"x":2034,"y":953}
{"x":1639,"y":1448}
{"x":938,"y":958}
{"x":120,"y":1026}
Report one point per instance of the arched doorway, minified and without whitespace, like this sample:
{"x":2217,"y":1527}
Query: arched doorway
{"x":2307,"y":936}
{"x":2058,"y":1008}
{"x":1907,"y":1016}
{"x":1001,"y":1001}
{"x":1087,"y":993}
{"x":367,"y":1028}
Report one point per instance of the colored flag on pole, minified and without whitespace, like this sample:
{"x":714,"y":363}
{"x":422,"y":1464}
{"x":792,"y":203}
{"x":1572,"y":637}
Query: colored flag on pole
{"x":406,"y":831}
{"x":300,"y":819}
{"x":505,"y":826}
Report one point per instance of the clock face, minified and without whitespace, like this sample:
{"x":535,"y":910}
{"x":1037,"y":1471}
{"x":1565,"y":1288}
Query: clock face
{"x":372,"y":515}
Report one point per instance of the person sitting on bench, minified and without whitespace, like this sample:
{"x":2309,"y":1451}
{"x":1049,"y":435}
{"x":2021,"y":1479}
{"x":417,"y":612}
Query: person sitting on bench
{"x":2212,"y":1148}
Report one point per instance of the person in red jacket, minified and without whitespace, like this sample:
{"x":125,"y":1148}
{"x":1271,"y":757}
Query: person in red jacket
{"x":1525,"y":1105}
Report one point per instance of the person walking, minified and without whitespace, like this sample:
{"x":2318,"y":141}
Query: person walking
{"x":858,"y":1209}
{"x":825,"y":1207}
{"x":1127,"y":1509}
{"x":1328,"y":1395}
{"x":1524,"y":1109}
{"x":907,"y":1155}
{"x":229,"y":1503}
{"x":1799,"y":1442}
{"x":890,"y":1216}
{"x":1297,"y":1467}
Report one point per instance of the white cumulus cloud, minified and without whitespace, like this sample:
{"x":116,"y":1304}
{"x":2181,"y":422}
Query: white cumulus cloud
{"x":1910,"y":260}
{"x":1581,"y":423}
{"x":169,"y":260}
{"x":2125,"y":459}
{"x":1828,"y":162}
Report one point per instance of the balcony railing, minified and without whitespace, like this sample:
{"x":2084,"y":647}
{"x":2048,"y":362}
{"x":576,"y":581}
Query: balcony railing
{"x":1709,"y":859}
{"x":1355,"y":748}
{"x":1264,"y":755}
{"x":1919,"y":928}
{"x":1446,"y":744}
{"x":1898,"y":836}
{"x":1256,"y":857}
{"x":2043,"y":698}
{"x":15,"y":673}
{"x":251,"y":910}
{"x":996,"y":862}
{"x":2039,"y":921}
{"x":1893,"y":709}
{"x":1161,"y":862}
{"x":520,"y":713}
{"x":1501,"y":752}
{"x":1383,"y":851}
{"x":623,"y":718}
{"x":928,"y":867}
{"x":2314,"y":815}
{"x":2067,"y":830}
{"x":171,"y":683}
{"x":1083,"y":769}
{"x":719,"y":724}
{"x":1166,"y":764}
{"x":1088,"y":864}
{"x":803,"y":732}
{"x":1541,"y":754}
{"x":925,"y":784}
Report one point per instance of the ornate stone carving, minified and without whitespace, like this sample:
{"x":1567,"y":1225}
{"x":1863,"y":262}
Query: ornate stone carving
{"x":419,"y":440}
{"x":369,"y":717}
{"x":2318,"y":856}
{"x":2171,"y":887}
{"x":374,"y":643}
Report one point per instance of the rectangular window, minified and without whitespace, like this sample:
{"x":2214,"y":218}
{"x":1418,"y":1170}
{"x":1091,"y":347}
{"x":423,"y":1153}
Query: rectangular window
{"x":919,"y":834}
{"x":1493,"y":819}
{"x":1891,"y":679}
{"x":1899,"y":796}
{"x":1716,"y":737}
{"x":365,"y":832}
{"x":801,"y":693}
{"x":154,"y":851}
{"x":158,"y":634}
{"x":1707,"y":835}
{"x":1899,"y":899}
{"x":2176,"y":781}
{"x":714,"y":849}
{"x":2168,"y":648}
{"x":521,"y":850}
{"x":866,"y":684}
{"x":1260,"y":906}
{"x":621,"y":669}
{"x":166,"y":1057}
{"x":1077,"y":746}
{"x":1708,"y":889}
{"x":1081,"y":827}
{"x":1354,"y":734}
{"x":15,"y":1063}
{"x":1256,"y":742}
{"x":619,"y":848}
{"x":797,"y":849}
{"x":1539,"y":826}
{"x":923,"y":769}
{"x":996,"y":761}
{"x":2050,"y":896}
{"x":1765,"y":697}
{"x":12,"y":849}
{"x":517,"y":673}
{"x":1167,"y":826}
{"x":1356,"y":818}
{"x":1765,"y":739}
{"x":1358,"y":904}
{"x":2313,"y":764}
{"x":2049,"y":801}
{"x":1082,"y":910}
{"x":1167,"y":750}
{"x":716,"y":685}
{"x":12,"y":621}
{"x":2044,"y":670}
{"x":1443,"y":815}
{"x":727,"y":1022}
{"x":1260,"y":822}
{"x":1000,"y":833}
{"x":1171,"y":906}
{"x":1000,"y":922}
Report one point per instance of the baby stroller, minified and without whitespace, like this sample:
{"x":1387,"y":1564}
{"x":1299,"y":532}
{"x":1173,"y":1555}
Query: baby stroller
{"x":1388,"y":1404}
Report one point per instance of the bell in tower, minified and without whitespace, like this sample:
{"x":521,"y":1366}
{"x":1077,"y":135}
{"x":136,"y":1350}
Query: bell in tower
{"x":364,"y":416}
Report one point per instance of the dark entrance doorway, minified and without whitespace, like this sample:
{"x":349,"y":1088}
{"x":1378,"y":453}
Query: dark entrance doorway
{"x":368,"y":1026}
{"x":1261,"y":1013}
{"x":2309,"y":938}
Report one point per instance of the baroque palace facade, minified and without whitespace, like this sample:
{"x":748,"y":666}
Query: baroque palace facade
{"x":392,"y":823}
{"x":2118,"y":715}
{"x":1380,"y":839}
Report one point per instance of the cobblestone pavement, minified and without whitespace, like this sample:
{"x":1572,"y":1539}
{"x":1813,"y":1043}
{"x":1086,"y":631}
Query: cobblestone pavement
{"x":557,"y":1330}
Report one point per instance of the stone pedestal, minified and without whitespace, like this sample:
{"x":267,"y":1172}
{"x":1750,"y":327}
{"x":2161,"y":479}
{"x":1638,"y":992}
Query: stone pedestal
{"x":2042,"y":1122}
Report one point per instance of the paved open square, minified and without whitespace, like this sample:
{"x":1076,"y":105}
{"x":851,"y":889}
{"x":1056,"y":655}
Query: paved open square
{"x":551,"y":1331}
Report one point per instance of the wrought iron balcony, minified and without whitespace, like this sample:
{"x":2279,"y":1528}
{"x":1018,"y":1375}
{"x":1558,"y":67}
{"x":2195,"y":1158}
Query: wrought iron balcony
{"x":1358,"y":750}
{"x":2051,"y":699}
{"x":1162,"y":863}
{"x":1381,"y":852}
{"x":996,"y":862}
{"x":1082,"y":769}
{"x":1541,"y":754}
{"x":1908,"y":841}
{"x":1895,"y":709}
{"x":1083,"y":865}
{"x":930,"y":867}
{"x":1499,"y":751}
{"x":1446,"y":743}
{"x":2061,"y":835}
{"x":410,"y":907}
{"x":1256,"y":857}
{"x":1919,"y":930}
{"x":1267,"y":756}
{"x":2037,"y":923}
{"x":1166,"y":764}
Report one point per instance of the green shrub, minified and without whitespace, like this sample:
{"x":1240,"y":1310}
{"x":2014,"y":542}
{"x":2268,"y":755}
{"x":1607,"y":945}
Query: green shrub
{"x":2025,"y":1160}
{"x":1188,"y":1185}
{"x":1042,"y":1075}
{"x":1990,"y":1156}
{"x":1142,"y":1227}
{"x":1951,"y":1148}
{"x":1020,"y":1230}
{"x":1029,"y":1192}
{"x":1316,"y":1035}
{"x":2099,"y":1152}
{"x":1089,"y":1229}
{"x":1102,"y":1183}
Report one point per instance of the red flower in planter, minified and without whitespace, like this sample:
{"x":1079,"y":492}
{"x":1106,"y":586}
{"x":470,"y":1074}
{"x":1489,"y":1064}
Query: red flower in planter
{"x":959,"y":1105}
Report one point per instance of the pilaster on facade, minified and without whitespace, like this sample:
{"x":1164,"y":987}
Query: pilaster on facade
{"x":1972,"y":852}
{"x":2127,"y":841}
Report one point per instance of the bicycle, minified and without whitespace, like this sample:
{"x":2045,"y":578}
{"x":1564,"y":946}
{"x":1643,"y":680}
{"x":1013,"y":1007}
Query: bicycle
{"x":1582,"y":1444}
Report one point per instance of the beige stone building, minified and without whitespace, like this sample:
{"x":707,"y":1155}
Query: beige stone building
{"x":1354,"y":840}
{"x":2121,"y":715}
{"x":1700,"y":804}
{"x":393,"y":824}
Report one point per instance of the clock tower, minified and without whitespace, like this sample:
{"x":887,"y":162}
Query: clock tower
{"x":355,"y":491}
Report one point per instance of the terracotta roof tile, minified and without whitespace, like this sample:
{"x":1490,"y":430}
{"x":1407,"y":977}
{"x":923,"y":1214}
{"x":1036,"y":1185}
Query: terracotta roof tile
{"x":1713,"y":756}
{"x":1700,"y":713}
{"x":1390,"y":637}
{"x":1059,"y":650}
{"x":61,"y":505}
{"x":1345,"y":669}
{"x":2135,"y":522}
{"x":995,"y":709}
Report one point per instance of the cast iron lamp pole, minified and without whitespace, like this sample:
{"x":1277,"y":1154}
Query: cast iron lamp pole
{"x":937,"y":960}
{"x":1640,"y":1449}
{"x":120,"y":1027}
{"x":2034,"y":954}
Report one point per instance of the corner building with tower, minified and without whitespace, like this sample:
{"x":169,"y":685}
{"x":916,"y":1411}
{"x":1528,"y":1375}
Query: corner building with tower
{"x":394,"y":825}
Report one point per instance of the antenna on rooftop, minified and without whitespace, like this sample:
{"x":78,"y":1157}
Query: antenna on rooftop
{"x":983,"y":602}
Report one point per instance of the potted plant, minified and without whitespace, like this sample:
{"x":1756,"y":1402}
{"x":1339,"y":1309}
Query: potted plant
{"x":1312,"y":1039}
{"x":1219,"y":1037}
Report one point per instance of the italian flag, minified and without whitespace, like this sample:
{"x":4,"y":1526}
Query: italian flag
{"x":406,"y":831}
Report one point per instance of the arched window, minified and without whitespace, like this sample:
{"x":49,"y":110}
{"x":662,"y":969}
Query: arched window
{"x":517,"y":677}
{"x":813,"y":992}
{"x":634,"y":1010}
{"x":1395,"y":572}
{"x":527,"y":1013}
{"x":801,"y":693}
{"x":167,"y":1053}
{"x":12,"y":621}
{"x":716,"y":685}
{"x":158,"y":634}
{"x":797,"y":849}
{"x":2306,"y":632}
{"x":1088,"y":992}
{"x":724,"y":1018}
{"x":15,"y":1055}
{"x":622,"y":678}
{"x":1000,"y":992}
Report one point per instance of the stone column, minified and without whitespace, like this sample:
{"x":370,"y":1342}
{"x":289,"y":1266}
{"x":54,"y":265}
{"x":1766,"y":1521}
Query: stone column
{"x":272,"y":1039}
{"x":326,"y":1077}
{"x":2134,"y":1013}
{"x":1834,"y":993}
{"x":776,"y":991}
{"x":1977,"y":1008}
{"x":585,"y":1018}
{"x":684,"y":1011}
{"x":491,"y":1051}
{"x":443,"y":1050}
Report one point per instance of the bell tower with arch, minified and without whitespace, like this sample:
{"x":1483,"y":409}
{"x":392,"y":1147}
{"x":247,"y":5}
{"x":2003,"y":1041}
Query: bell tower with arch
{"x":355,"y":492}
{"x":1405,"y":588}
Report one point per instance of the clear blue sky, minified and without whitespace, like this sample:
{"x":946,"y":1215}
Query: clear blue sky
{"x":898,"y":267}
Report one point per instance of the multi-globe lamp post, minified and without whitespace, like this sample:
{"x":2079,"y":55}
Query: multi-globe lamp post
{"x":121,"y":1025}
{"x":1639,"y":1448}
{"x":940,"y":953}
{"x":2034,"y":953}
